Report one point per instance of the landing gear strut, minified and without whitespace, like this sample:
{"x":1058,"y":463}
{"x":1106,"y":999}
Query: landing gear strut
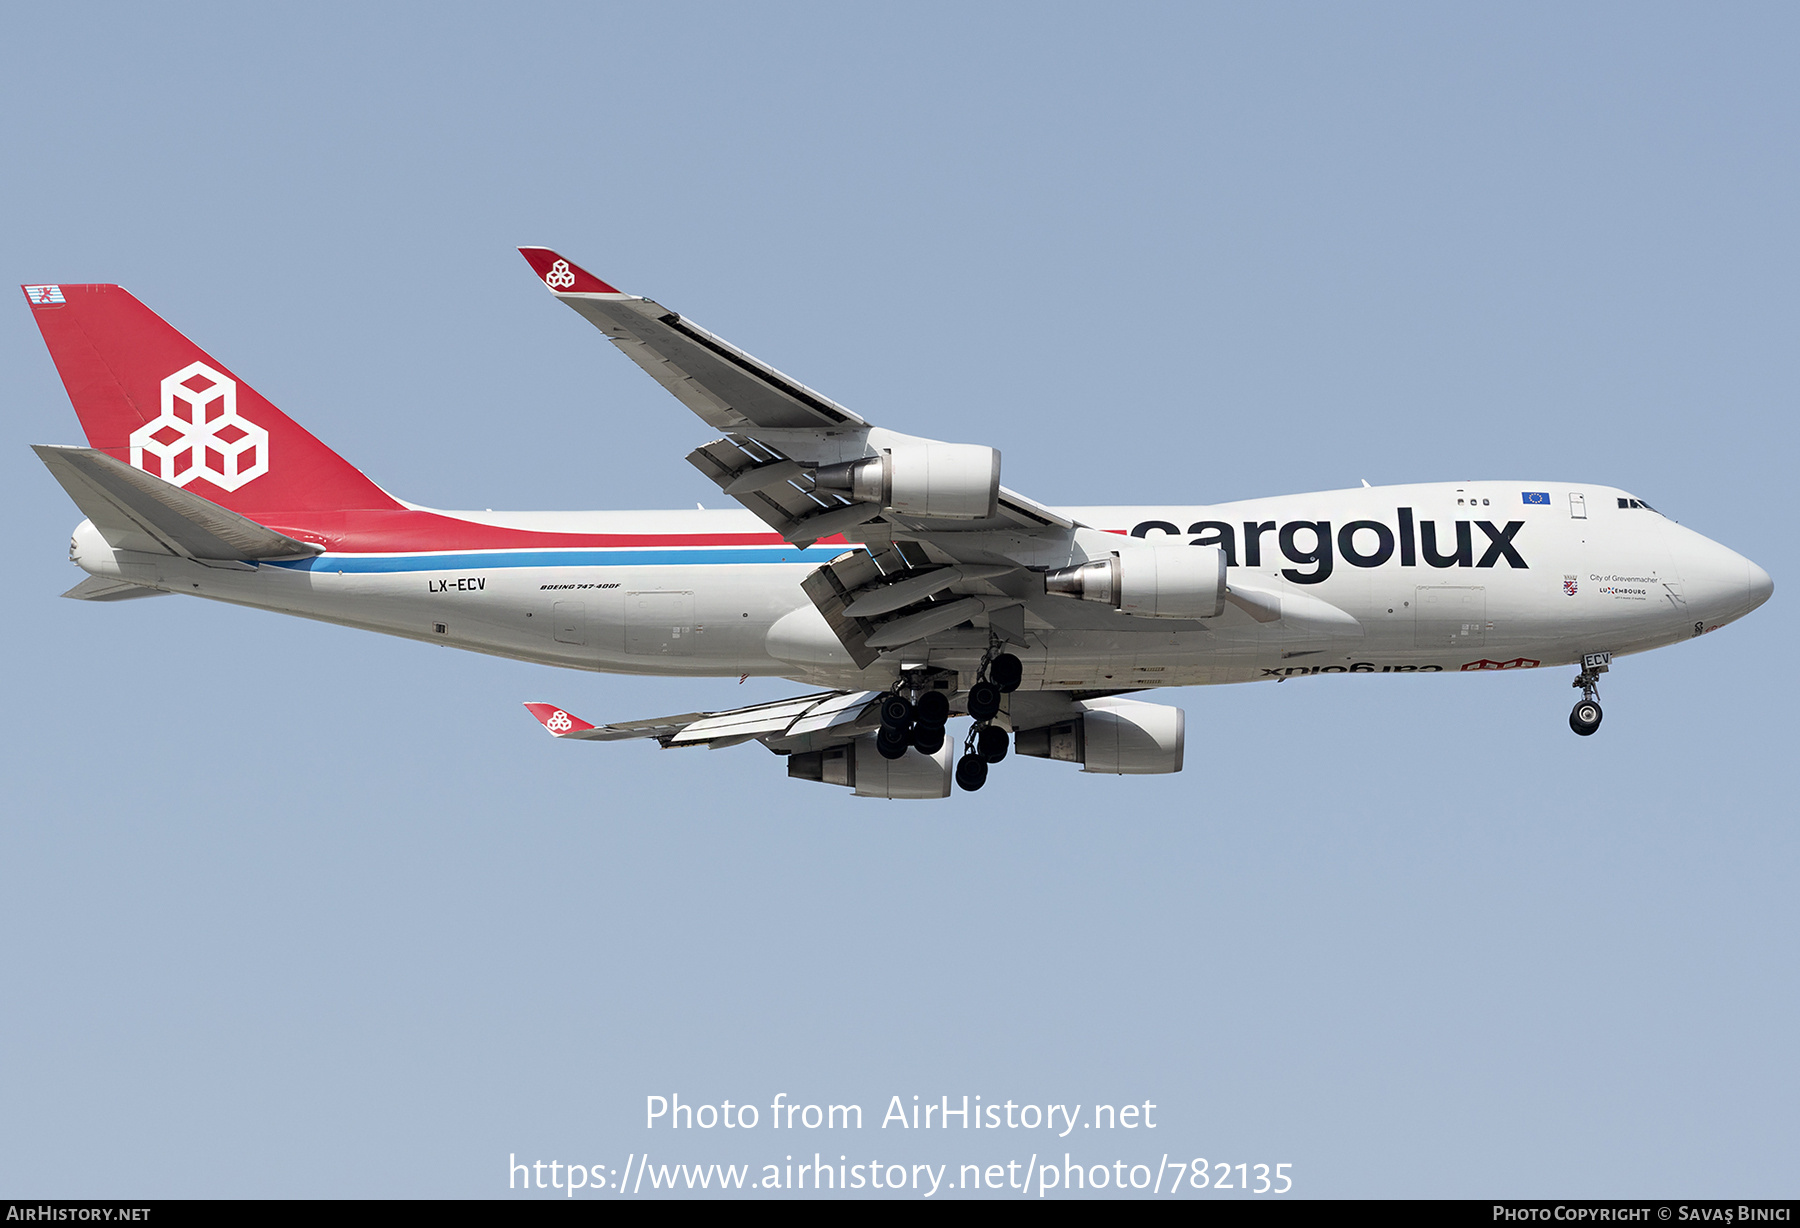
{"x":998,"y":675}
{"x":1586,"y":715}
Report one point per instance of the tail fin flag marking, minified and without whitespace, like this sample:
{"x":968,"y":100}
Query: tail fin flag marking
{"x":149,"y":397}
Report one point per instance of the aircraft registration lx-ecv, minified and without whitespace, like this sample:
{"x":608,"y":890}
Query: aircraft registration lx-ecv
{"x":893,"y":570}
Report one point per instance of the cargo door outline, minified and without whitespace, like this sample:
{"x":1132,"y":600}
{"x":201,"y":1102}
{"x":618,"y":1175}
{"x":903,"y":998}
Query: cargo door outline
{"x":569,"y":621}
{"x":659,"y":623}
{"x":1450,"y":618}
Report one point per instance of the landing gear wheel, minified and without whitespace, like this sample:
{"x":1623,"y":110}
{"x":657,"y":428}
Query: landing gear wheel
{"x":991,"y":743}
{"x":892,"y":743}
{"x":1007,"y":671}
{"x":971,"y":772}
{"x":984,"y":701}
{"x":928,"y":739}
{"x":896,"y":712}
{"x":933,"y":708}
{"x":1585,"y":718}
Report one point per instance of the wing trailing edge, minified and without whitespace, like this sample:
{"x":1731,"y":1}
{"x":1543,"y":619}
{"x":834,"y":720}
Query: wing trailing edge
{"x":786,"y":726}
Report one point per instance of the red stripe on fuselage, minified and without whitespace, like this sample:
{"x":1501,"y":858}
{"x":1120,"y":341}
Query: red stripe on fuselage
{"x":406,"y":530}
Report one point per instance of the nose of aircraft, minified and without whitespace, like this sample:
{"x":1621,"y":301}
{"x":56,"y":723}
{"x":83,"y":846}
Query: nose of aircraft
{"x":1761,"y":586}
{"x":1721,"y":584}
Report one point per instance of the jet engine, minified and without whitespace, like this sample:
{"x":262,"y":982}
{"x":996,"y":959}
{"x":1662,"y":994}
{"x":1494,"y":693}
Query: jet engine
{"x":1150,"y":581}
{"x":1125,"y":737}
{"x":859,"y":766}
{"x":948,"y":481}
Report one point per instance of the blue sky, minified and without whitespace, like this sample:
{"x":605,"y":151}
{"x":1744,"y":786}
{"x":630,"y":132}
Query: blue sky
{"x":294,"y":910}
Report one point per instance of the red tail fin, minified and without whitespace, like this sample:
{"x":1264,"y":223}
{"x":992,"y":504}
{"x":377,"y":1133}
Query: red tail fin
{"x":154,"y":399}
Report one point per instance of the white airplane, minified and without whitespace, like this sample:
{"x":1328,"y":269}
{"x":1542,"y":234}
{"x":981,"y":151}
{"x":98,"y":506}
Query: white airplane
{"x":895,"y":571}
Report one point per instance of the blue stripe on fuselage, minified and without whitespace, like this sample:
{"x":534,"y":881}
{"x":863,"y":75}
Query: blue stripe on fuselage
{"x":560,"y":558}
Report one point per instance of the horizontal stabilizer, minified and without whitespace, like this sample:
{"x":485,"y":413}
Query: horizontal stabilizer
{"x":135,"y":511}
{"x":98,"y":588}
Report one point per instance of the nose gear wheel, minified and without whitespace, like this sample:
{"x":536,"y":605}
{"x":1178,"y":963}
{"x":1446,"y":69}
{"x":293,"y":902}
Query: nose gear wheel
{"x":1585,"y":718}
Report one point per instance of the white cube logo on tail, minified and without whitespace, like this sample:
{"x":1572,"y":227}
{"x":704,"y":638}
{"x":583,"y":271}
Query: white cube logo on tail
{"x":199,"y":433}
{"x":559,"y":722}
{"x":560,"y":276}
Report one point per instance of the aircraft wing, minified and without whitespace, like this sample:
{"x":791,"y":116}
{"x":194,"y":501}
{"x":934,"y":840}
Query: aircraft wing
{"x":809,"y":722}
{"x":779,"y":428}
{"x":944,"y":544}
{"x":727,"y":387}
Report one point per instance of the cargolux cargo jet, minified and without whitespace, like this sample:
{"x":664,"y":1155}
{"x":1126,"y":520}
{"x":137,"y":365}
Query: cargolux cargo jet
{"x":893,"y":571}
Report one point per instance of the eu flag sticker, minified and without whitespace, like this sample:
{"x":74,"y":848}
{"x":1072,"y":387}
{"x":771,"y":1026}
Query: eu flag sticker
{"x":1536,"y":496}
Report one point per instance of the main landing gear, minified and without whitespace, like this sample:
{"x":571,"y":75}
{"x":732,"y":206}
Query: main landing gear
{"x":1586,"y":715}
{"x":918,"y":724}
{"x":999,"y":674}
{"x":908,"y":725}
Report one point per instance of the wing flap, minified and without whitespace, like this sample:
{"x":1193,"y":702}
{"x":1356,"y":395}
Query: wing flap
{"x":808,"y":722}
{"x":839,"y":713}
{"x":940,"y":616}
{"x":744,"y":723}
{"x":783,"y":502}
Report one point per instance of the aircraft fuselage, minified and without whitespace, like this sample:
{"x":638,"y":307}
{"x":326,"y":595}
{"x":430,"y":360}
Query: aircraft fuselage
{"x":1438,"y":578}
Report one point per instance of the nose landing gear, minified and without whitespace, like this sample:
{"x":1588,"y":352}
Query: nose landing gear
{"x":1586,"y":716}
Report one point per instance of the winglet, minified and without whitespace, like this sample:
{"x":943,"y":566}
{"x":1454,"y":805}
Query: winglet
{"x":563,"y":275}
{"x":558,"y":722}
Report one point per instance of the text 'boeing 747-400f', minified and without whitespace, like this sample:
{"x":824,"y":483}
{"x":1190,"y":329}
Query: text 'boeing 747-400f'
{"x":894,"y":570}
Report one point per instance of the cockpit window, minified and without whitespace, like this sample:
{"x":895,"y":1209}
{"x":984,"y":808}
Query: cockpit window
{"x":1636,"y":503}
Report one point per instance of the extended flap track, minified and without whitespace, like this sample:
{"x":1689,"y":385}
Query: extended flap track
{"x":835,"y":585}
{"x":784,"y":502}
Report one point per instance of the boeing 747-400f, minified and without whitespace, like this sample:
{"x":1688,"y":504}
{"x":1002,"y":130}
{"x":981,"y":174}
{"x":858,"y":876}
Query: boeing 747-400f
{"x":894,"y":571}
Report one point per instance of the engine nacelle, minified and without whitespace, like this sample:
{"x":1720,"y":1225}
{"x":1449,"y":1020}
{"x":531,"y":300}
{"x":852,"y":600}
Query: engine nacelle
{"x":1125,"y":737}
{"x":948,"y":481}
{"x":859,"y":766}
{"x":1150,"y":581}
